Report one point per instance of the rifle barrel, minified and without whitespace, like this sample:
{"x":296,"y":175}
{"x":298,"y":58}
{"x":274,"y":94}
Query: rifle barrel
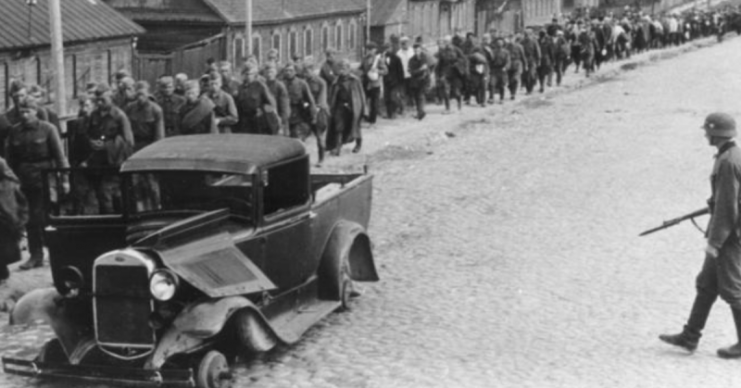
{"x":675,"y":221}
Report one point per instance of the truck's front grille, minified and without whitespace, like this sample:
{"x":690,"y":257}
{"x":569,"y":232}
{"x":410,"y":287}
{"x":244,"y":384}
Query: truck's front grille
{"x":123,"y":306}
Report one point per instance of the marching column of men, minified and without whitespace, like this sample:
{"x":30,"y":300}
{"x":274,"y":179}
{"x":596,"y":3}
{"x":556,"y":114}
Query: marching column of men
{"x":328,"y":100}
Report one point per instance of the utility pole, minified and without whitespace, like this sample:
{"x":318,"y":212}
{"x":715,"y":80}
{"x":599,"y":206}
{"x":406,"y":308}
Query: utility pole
{"x":57,"y":56}
{"x":367,"y":21}
{"x":248,"y":27}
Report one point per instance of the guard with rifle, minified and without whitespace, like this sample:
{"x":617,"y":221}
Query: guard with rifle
{"x":721,"y":271}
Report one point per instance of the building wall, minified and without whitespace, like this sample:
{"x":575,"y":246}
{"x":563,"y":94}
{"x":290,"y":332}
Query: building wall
{"x":539,"y":12}
{"x":434,"y":19}
{"x":308,"y":39}
{"x":84,"y":63}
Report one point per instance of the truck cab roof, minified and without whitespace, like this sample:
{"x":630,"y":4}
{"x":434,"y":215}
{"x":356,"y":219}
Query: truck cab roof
{"x":232,"y":153}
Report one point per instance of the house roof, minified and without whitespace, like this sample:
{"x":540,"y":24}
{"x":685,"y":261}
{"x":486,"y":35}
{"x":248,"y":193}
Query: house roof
{"x":22,"y":26}
{"x":235,"y":153}
{"x":266,"y":11}
{"x":387,"y":12}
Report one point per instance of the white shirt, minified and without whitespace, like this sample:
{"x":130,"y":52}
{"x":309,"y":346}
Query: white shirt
{"x":405,"y":56}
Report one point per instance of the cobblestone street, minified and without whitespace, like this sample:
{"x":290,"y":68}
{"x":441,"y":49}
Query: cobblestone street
{"x":506,"y":241}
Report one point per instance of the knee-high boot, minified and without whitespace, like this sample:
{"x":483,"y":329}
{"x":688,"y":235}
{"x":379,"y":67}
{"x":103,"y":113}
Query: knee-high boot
{"x":733,"y":351}
{"x":690,"y":336}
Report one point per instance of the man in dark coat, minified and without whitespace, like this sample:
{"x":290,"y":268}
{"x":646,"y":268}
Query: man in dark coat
{"x":721,"y":272}
{"x":517,"y":62}
{"x":34,"y":145}
{"x":500,"y":65}
{"x":13,"y":218}
{"x":478,"y":77}
{"x":547,"y":59}
{"x":319,"y":91}
{"x":197,"y":114}
{"x":532,"y":60}
{"x":347,"y":104}
{"x":420,"y":79}
{"x":254,"y":102}
{"x":562,"y":52}
{"x":280,"y":94}
{"x":393,"y":82}
{"x":302,"y":107}
{"x":451,"y":71}
{"x":145,"y":117}
{"x":170,"y":102}
{"x":225,"y":110}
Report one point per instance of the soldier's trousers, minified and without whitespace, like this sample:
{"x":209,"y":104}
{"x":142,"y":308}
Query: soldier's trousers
{"x":392,"y":97}
{"x":498,"y":83}
{"x":35,"y":225}
{"x":418,"y":96}
{"x":722,"y":275}
{"x":514,"y":81}
{"x":373,"y":97}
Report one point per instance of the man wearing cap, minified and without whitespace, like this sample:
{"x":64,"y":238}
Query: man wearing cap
{"x":451,"y":71}
{"x":225,"y":109}
{"x":721,"y":271}
{"x":145,"y":116}
{"x":500,"y":65}
{"x":34,"y":145}
{"x":373,"y":68}
{"x":228,"y":83}
{"x":347,"y":104}
{"x":280,"y":94}
{"x":19,"y":92}
{"x":180,"y":80}
{"x":170,"y":103}
{"x":197,"y":113}
{"x":253,"y":101}
{"x":532,"y":60}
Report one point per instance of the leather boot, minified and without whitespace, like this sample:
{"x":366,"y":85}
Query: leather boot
{"x":733,"y":351}
{"x":358,"y":145}
{"x":690,"y":336}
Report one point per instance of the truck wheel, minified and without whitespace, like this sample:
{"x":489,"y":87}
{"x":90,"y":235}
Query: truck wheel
{"x":52,"y":352}
{"x":252,"y":333}
{"x":213,"y":371}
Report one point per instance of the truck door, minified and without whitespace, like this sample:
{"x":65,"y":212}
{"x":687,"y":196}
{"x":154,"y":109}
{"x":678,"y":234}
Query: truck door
{"x":86,"y":222}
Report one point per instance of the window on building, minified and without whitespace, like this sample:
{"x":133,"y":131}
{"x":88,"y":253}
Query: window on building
{"x":325,"y":37}
{"x":276,"y":43}
{"x":293,"y":44}
{"x":338,"y":36}
{"x":308,"y":41}
{"x":257,"y":47}
{"x":238,"y":49}
{"x":351,"y":36}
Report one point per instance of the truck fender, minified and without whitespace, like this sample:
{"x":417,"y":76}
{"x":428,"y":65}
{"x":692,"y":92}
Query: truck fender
{"x":348,"y":250}
{"x":46,"y":304}
{"x":195,"y":327}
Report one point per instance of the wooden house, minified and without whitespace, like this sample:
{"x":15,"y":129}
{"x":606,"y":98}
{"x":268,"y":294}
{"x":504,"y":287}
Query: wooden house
{"x":98,"y":41}
{"x":183,"y":34}
{"x":429,"y":19}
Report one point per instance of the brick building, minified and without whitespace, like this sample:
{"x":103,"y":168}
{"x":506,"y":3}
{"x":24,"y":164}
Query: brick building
{"x":182,"y":34}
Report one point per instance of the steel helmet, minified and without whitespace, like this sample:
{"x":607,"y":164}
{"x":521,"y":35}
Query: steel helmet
{"x":720,"y":124}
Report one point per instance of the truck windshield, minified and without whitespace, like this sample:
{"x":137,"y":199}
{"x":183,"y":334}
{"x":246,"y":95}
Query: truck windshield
{"x":160,"y":191}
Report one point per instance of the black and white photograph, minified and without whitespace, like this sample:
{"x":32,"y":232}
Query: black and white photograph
{"x":370,"y":193}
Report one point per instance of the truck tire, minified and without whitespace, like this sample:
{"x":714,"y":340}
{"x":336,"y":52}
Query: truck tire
{"x":213,"y":371}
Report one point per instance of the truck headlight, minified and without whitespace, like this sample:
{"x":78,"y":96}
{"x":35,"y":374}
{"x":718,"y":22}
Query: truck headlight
{"x":163,"y":284}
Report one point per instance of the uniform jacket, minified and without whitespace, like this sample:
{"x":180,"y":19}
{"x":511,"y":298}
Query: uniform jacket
{"x":303,"y":108}
{"x":112,"y":126}
{"x":147,"y":123}
{"x":420,"y":72}
{"x":500,"y":60}
{"x":547,"y":52}
{"x":328,"y":72}
{"x":32,"y":147}
{"x":517,"y":56}
{"x":283,"y":101}
{"x":532,"y":52}
{"x":253,"y":100}
{"x":451,"y":62}
{"x":724,"y":203}
{"x":170,"y":110}
{"x":225,"y":109}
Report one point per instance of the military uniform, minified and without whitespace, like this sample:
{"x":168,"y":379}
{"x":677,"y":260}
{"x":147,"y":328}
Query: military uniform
{"x":254,"y":97}
{"x":532,"y":60}
{"x":500,"y":64}
{"x":283,"y":103}
{"x":721,"y":271}
{"x":171,"y":106}
{"x":32,"y":147}
{"x":318,"y":89}
{"x":225,"y":110}
{"x":517,"y":61}
{"x":303,"y":109}
{"x":147,"y":123}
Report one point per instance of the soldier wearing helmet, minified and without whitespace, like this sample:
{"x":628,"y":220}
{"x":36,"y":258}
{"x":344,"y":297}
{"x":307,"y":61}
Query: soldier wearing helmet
{"x":721,"y":272}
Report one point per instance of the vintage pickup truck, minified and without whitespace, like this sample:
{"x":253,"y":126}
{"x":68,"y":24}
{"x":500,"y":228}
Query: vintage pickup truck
{"x":218,"y":245}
